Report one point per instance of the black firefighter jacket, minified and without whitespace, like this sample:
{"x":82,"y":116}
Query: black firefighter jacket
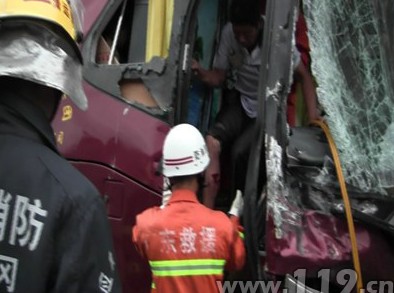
{"x":54,"y":233}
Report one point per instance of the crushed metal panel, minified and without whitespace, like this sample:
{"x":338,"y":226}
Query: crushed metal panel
{"x":303,"y":228}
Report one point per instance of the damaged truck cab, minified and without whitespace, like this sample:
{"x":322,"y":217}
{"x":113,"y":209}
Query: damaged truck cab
{"x":137,"y":73}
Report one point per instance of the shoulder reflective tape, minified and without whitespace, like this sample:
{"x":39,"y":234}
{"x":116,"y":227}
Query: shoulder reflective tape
{"x":187,"y":267}
{"x":241,"y":235}
{"x":153,"y":285}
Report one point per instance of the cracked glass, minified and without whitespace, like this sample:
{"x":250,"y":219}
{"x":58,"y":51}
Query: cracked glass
{"x":352,"y":50}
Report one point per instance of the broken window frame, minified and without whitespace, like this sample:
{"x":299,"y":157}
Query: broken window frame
{"x":164,"y":78}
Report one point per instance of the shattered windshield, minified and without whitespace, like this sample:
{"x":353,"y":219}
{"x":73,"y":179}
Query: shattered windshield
{"x":352,"y":48}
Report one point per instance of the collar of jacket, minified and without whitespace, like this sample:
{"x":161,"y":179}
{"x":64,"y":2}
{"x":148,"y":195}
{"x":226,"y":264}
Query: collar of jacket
{"x":183,"y":195}
{"x":18,"y":116}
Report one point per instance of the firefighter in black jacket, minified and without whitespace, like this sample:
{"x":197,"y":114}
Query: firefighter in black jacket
{"x":54,"y":232}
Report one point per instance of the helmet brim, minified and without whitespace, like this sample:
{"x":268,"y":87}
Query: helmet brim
{"x":37,"y":55}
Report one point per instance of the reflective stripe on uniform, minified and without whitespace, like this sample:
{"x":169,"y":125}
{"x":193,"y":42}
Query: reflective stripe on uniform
{"x":187,"y":267}
{"x":241,"y":235}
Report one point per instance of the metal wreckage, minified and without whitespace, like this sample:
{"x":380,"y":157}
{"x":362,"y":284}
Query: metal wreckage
{"x":319,"y":199}
{"x":328,"y":201}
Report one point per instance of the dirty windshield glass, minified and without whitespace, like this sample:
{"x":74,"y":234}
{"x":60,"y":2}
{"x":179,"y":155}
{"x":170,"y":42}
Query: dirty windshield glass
{"x":352,"y":48}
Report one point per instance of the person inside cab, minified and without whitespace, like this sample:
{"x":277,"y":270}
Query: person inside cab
{"x":239,"y":52}
{"x":188,"y":245}
{"x":54,"y":232}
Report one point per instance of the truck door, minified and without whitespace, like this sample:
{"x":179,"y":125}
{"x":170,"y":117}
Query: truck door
{"x":265,"y":161}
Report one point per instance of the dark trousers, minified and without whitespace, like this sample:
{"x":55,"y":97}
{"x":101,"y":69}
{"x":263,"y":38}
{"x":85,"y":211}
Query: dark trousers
{"x":234,"y":129}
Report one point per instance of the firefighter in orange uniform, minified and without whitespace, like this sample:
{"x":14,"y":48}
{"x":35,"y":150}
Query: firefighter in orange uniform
{"x":187,"y":244}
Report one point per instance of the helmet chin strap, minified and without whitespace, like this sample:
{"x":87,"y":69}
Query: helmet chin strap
{"x":201,"y":182}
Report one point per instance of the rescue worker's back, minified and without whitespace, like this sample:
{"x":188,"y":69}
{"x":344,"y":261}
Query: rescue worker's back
{"x":188,"y":245}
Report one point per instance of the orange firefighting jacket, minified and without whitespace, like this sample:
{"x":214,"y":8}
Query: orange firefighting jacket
{"x":188,"y":245}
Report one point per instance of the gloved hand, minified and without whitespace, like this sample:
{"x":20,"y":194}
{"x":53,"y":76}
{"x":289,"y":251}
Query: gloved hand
{"x":238,"y":205}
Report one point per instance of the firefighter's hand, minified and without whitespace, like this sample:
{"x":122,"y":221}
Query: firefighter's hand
{"x":196,"y":68}
{"x":238,"y":205}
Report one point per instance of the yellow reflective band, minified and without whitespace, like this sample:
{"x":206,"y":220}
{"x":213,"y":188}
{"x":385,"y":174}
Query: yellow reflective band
{"x":241,"y":235}
{"x":153,"y":286}
{"x":188,"y":267}
{"x":159,"y":263}
{"x":188,"y":272}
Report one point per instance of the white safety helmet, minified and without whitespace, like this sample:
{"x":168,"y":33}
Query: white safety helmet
{"x":184,"y":152}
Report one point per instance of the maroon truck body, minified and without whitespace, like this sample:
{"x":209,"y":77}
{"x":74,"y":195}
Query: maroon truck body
{"x":120,"y":156}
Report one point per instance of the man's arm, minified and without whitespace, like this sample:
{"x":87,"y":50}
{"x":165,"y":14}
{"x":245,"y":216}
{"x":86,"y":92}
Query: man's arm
{"x":237,"y":255}
{"x":308,"y":91}
{"x":214,"y":77}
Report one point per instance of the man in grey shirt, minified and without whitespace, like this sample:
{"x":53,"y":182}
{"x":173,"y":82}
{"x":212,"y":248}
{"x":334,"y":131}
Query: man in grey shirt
{"x":239,"y":51}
